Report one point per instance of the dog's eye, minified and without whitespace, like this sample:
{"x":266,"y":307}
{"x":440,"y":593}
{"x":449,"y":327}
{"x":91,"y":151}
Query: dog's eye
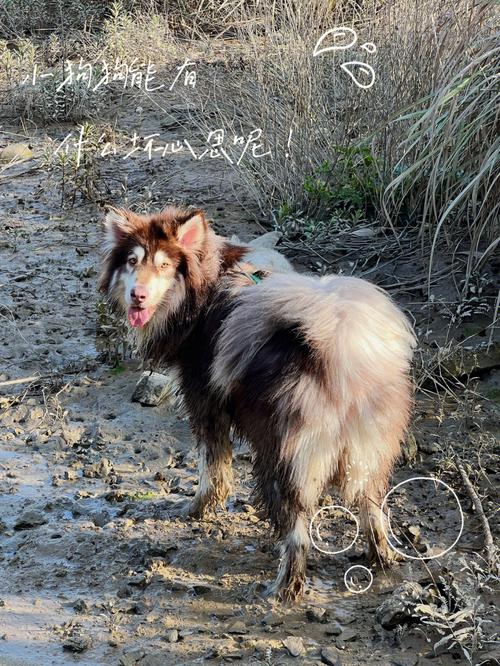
{"x":132,"y":261}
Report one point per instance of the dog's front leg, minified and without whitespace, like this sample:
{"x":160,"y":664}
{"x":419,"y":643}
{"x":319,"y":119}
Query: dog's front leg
{"x":215,"y":467}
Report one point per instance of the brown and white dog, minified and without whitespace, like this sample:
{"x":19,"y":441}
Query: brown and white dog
{"x":311,"y":372}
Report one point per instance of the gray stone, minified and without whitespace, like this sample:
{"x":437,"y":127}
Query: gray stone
{"x":172,"y":636}
{"x":154,"y":388}
{"x":330,"y":656}
{"x":29,"y":519}
{"x":333,"y":629}
{"x":295,"y":646}
{"x":399,"y":607}
{"x":99,"y":469}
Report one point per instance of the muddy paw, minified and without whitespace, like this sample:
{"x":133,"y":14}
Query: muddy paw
{"x":290,"y":592}
{"x":383,"y":555}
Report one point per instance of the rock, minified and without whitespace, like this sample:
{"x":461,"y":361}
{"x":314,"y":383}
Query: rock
{"x":295,"y":646}
{"x":400,"y":606}
{"x":99,"y":469}
{"x":272,"y":620}
{"x":348,"y":635}
{"x":317,"y":615}
{"x":333,"y":629}
{"x":131,"y":658}
{"x":409,"y":449}
{"x":29,"y":519}
{"x":156,"y":659}
{"x":330,"y":656}
{"x":406,"y":660}
{"x":154,"y":388}
{"x":81,"y":606}
{"x":238,"y":627}
{"x":468,"y":360}
{"x":77,"y":643}
{"x":14,"y":152}
{"x":172,"y":636}
{"x":100,"y":518}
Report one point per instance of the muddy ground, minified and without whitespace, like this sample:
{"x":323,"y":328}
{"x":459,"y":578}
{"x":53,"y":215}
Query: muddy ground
{"x":95,"y":567}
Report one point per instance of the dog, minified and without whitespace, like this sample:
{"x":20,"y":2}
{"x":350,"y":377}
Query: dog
{"x":312,"y":372}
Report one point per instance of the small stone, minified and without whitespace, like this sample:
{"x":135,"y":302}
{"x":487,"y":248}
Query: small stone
{"x":295,"y":646}
{"x":131,"y":658}
{"x":330,"y":656}
{"x":317,"y":615}
{"x":81,"y":606}
{"x":99,"y":469}
{"x":272,"y":620}
{"x":15,"y":152}
{"x":77,"y":643}
{"x":172,"y":636}
{"x":333,"y":629}
{"x":29,"y":519}
{"x":100,"y":518}
{"x":153,"y":388}
{"x":238,"y":627}
{"x":348,"y":635}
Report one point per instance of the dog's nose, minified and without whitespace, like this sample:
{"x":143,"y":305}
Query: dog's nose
{"x":138,"y":294}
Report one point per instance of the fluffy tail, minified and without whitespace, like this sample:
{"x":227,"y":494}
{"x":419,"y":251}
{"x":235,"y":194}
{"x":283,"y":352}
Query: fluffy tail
{"x":361,"y":337}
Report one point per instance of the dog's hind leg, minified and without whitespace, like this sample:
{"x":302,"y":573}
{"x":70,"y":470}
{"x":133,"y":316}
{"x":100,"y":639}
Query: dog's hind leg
{"x":291,"y":496}
{"x":215,"y":466}
{"x":374,"y":522}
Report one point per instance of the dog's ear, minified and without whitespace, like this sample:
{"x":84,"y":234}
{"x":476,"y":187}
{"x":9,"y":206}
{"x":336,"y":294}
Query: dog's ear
{"x":118,"y":224}
{"x":192,"y":230}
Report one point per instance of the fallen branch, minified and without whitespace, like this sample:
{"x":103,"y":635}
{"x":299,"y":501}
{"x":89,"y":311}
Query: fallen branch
{"x":491,"y":551}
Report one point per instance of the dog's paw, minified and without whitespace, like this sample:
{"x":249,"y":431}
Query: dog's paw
{"x":290,"y":592}
{"x":383,"y":555}
{"x":196,"y":508}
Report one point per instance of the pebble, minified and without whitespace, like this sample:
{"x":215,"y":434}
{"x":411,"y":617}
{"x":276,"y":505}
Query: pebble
{"x":238,"y":627}
{"x":153,"y":388}
{"x":348,"y":635}
{"x":29,"y":519}
{"x":333,"y":629}
{"x":15,"y":151}
{"x":172,"y":636}
{"x":317,"y":615}
{"x":330,"y":656}
{"x":295,"y":646}
{"x":77,"y":643}
{"x":99,"y":469}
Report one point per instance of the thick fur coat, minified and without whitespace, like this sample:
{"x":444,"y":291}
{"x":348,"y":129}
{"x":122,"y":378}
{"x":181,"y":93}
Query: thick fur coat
{"x":311,"y":372}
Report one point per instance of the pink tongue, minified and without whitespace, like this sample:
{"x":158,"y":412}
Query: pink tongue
{"x":138,"y":317}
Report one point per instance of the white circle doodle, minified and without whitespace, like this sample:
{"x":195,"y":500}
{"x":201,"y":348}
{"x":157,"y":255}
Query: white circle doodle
{"x":364,"y":589}
{"x":317,"y":528}
{"x":419,"y":557}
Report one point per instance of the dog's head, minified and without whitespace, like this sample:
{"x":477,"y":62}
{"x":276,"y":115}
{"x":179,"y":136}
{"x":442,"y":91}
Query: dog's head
{"x":153,"y":260}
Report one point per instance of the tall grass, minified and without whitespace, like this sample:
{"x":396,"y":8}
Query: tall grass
{"x":450,"y":161}
{"x":429,"y":124}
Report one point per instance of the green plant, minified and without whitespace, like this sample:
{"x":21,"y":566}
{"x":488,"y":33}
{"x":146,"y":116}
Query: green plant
{"x":351,"y":182}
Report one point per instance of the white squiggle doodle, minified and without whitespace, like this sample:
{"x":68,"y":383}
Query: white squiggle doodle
{"x":398,"y":541}
{"x":338,"y":32}
{"x":350,"y":586}
{"x":356,"y":69}
{"x":318,"y":526}
{"x":369,"y":47}
{"x":355,"y":65}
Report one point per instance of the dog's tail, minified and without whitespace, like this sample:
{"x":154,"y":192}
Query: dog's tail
{"x":361,"y":338}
